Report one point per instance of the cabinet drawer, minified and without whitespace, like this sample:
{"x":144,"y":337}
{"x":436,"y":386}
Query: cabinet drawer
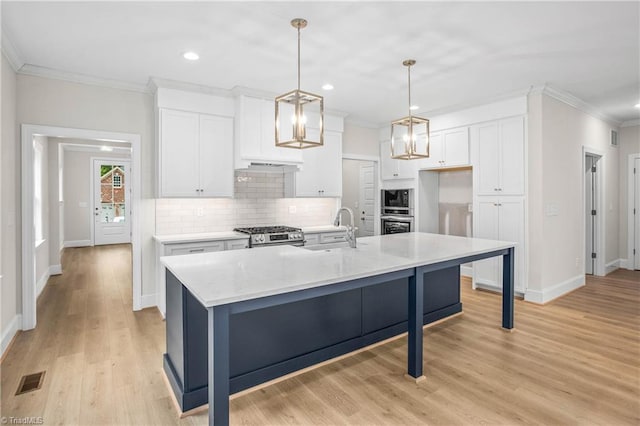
{"x":332,"y":237}
{"x":311,"y":239}
{"x":192,"y":248}
{"x":236,"y":244}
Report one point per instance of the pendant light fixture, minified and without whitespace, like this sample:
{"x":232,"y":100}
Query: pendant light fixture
{"x":410,"y":135}
{"x":303,"y":108}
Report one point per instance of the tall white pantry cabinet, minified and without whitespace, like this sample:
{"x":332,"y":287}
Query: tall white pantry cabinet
{"x":498,"y":159}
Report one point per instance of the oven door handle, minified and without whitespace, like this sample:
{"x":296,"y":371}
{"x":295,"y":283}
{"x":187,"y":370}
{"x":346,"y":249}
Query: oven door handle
{"x":407,"y":219}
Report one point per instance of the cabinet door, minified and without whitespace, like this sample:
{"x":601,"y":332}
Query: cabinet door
{"x":249,"y":127}
{"x":216,"y":156}
{"x":456,"y":147}
{"x":512,"y":156}
{"x":179,"y":136}
{"x":308,"y":178}
{"x":436,"y":153}
{"x":329,"y":166}
{"x":487,"y":226}
{"x":511,"y":228}
{"x":485,"y":158}
{"x":388,"y":166}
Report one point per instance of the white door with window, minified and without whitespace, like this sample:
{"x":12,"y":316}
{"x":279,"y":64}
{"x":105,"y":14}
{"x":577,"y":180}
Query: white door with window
{"x":111,"y":202}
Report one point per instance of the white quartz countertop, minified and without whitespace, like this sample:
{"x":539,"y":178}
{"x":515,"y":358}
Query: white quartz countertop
{"x":205,"y":236}
{"x":219,"y":278}
{"x":323,"y":228}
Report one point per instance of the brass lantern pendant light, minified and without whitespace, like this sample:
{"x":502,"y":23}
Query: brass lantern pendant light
{"x":305,"y":110}
{"x":410,"y":135}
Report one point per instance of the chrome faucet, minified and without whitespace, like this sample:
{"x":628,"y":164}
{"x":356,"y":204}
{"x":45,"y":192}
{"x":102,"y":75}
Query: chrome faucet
{"x":351,"y":230}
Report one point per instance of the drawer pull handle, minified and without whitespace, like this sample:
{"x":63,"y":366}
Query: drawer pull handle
{"x":196,"y":250}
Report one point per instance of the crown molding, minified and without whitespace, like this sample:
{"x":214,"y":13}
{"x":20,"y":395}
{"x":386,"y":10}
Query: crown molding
{"x":575,"y":102}
{"x":631,"y":123}
{"x":156,"y":83}
{"x":11,"y":53}
{"x":38,"y":71}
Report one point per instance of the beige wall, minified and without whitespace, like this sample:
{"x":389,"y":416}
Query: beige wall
{"x":9,"y":180}
{"x":557,"y":135}
{"x":52,"y":102}
{"x":360,"y":140}
{"x":629,"y":143}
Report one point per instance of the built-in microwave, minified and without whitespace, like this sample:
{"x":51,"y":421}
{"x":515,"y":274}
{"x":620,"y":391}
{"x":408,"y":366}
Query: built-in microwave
{"x":397,"y":202}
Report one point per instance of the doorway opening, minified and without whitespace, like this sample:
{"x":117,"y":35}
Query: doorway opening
{"x":32,"y":206}
{"x":359,"y":193}
{"x":593,"y":203}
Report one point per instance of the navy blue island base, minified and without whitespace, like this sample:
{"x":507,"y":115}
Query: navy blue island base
{"x":220,"y":350}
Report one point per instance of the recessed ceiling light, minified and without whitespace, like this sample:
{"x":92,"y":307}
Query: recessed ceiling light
{"x":192,"y":56}
{"x":106,"y":148}
{"x":414,"y":107}
{"x":637,"y":105}
{"x":327,"y":86}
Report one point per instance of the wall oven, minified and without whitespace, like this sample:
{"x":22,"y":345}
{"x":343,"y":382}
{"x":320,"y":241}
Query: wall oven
{"x":396,"y":224}
{"x":397,"y":211}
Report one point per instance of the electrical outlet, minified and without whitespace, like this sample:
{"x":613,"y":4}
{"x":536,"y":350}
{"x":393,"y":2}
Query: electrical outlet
{"x":577,"y":262}
{"x":199,"y":212}
{"x":293,"y":209}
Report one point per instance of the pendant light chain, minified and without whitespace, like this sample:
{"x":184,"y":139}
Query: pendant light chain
{"x":298,"y":57}
{"x":409,"y":74}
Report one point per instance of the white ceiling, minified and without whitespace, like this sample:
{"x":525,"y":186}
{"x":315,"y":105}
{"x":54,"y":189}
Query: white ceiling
{"x":467,"y":53}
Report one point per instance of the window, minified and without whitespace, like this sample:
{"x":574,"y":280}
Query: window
{"x":117,"y":181}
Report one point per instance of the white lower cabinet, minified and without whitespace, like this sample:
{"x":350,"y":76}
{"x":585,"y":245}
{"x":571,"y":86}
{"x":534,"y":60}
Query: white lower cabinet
{"x":175,"y":249}
{"x":499,"y":218}
{"x":327,"y":237}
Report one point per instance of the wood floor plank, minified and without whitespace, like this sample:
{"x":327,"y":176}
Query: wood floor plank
{"x":572,"y":361}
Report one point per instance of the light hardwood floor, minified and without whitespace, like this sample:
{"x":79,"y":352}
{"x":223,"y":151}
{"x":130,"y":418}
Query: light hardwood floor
{"x":573,"y":361}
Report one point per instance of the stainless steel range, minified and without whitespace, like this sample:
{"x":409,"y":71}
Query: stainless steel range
{"x":264,"y":236}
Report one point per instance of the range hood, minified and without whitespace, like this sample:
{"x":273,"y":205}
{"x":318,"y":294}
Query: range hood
{"x":269,"y":167}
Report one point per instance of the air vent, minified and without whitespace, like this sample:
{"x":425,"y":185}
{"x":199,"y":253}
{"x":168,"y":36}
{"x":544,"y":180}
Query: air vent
{"x":614,"y":138}
{"x":30,"y":382}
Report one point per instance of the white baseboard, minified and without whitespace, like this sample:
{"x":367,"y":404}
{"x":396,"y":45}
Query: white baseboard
{"x":55,"y":269}
{"x":9,"y":332}
{"x":612,"y":266}
{"x":548,"y":294}
{"x":77,"y":243}
{"x":42,"y":282}
{"x":466,"y":271}
{"x":626,"y":264}
{"x":148,"y":300}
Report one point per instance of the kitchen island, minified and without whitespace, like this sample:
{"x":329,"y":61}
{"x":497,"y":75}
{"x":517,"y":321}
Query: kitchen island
{"x":240,"y":318}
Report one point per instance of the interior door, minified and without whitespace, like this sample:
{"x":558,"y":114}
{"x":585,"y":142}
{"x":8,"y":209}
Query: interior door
{"x":636,"y":216}
{"x":367,"y":201}
{"x":111,"y":206}
{"x":590,"y":214}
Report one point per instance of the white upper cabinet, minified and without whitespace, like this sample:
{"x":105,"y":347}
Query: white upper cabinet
{"x":255,"y":135}
{"x":321,"y":172}
{"x":195,"y":154}
{"x":447,"y":148}
{"x":392,"y":168}
{"x":497,"y":152}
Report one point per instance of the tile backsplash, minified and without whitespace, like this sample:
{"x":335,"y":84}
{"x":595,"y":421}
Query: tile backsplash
{"x":259,"y":200}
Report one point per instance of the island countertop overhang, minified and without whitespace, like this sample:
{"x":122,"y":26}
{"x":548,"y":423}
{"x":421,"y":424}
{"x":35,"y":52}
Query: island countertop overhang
{"x":220,"y":278}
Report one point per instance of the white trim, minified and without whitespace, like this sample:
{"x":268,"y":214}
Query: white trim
{"x":38,"y":71}
{"x":360,"y":157}
{"x":77,"y":243}
{"x":601,"y":216}
{"x":55,"y":270}
{"x":28,"y":131}
{"x":631,"y":235}
{"x":626,"y":264}
{"x":612,"y":266}
{"x":156,"y":83}
{"x":631,"y":123}
{"x":575,"y":102}
{"x":148,"y":301}
{"x":10,"y":331}
{"x":466,"y":271}
{"x":548,"y":294}
{"x":42,"y":283}
{"x":11,"y":53}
